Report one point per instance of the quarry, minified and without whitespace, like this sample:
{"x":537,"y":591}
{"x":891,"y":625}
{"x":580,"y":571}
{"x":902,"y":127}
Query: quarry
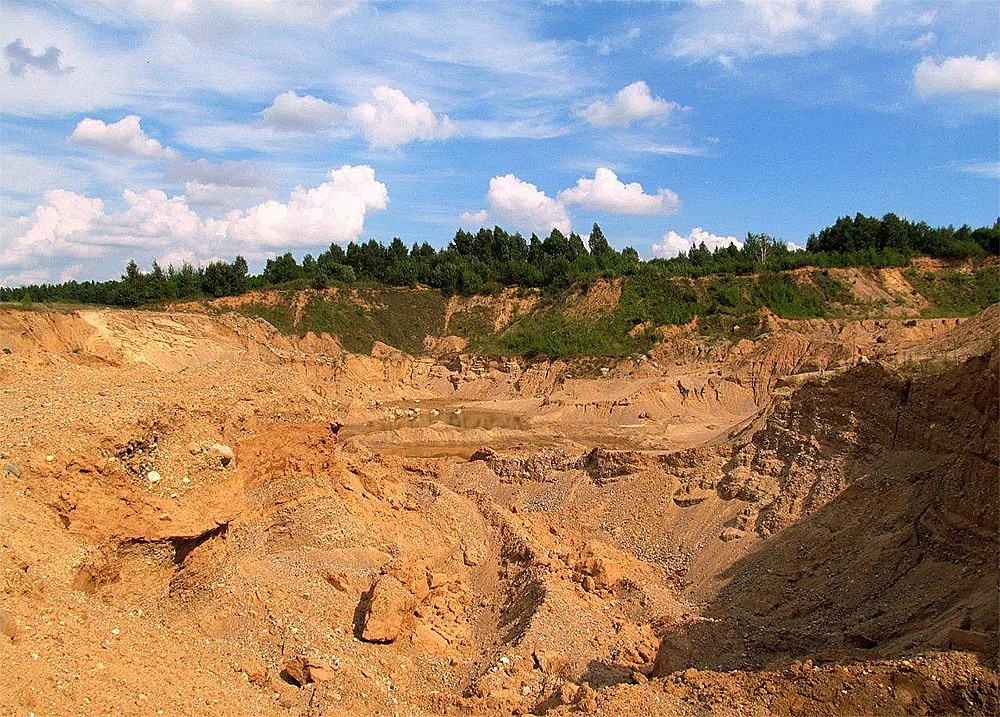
{"x":204,"y":515}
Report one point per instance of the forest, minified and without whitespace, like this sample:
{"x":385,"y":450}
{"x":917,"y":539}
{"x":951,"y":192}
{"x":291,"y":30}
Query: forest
{"x":491,"y":259}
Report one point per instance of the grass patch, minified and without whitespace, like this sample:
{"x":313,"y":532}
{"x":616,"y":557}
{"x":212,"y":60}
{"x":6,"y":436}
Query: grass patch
{"x":955,"y":293}
{"x":401,"y":318}
{"x":473,"y":323}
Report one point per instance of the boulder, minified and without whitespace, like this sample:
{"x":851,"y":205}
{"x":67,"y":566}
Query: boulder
{"x":389,"y":611}
{"x":223,"y":452}
{"x":303,"y":670}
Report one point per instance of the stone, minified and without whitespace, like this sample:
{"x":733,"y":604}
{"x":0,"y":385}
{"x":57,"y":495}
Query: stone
{"x":389,"y":610}
{"x":550,"y":662}
{"x":304,"y":670}
{"x":193,"y":448}
{"x":223,"y":452}
{"x":730,"y":533}
{"x":13,"y":468}
{"x":254,"y":668}
{"x":338,"y":579}
{"x":153,"y":476}
{"x":7,"y":626}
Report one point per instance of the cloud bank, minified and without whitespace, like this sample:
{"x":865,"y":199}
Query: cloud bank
{"x":71,"y":225}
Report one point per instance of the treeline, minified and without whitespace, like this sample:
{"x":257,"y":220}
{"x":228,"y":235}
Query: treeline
{"x":491,"y":259}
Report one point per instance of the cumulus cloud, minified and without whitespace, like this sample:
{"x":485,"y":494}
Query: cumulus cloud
{"x":474,"y":220}
{"x":124,"y":137}
{"x":72,"y":226}
{"x":393,"y":119}
{"x":674,"y":243}
{"x":335,"y":211}
{"x":300,"y":113}
{"x":631,"y":103}
{"x":957,"y":75}
{"x":514,"y":202}
{"x":20,"y":57}
{"x":50,"y":228}
{"x":605,"y":192}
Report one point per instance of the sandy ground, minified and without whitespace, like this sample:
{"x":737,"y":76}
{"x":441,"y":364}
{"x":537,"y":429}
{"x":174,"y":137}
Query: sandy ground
{"x":203,"y":517}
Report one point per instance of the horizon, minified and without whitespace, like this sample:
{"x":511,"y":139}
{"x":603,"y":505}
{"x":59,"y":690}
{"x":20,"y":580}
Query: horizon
{"x":190,"y":133}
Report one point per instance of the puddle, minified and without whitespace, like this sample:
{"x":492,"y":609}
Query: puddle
{"x":465,"y":419}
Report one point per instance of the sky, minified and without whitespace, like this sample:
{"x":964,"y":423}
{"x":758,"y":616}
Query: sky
{"x":196,"y":130}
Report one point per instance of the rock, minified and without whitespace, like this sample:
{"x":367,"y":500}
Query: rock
{"x":303,"y":670}
{"x":730,"y":533}
{"x":7,"y":626}
{"x":686,"y":498}
{"x":389,"y":610}
{"x":193,"y":448}
{"x":971,"y":641}
{"x":675,"y":653}
{"x":223,"y":452}
{"x":153,"y":476}
{"x":550,"y":662}
{"x":254,"y":668}
{"x":13,"y":468}
{"x":338,"y":579}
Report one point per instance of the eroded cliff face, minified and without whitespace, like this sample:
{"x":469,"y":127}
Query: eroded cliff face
{"x":201,"y":515}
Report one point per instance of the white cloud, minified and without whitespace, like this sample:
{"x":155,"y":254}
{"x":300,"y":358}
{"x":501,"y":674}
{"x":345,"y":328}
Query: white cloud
{"x":631,"y":103}
{"x":124,"y":137}
{"x":475,"y":220}
{"x":192,"y":12}
{"x":674,"y":243}
{"x":49,"y":229}
{"x":957,"y":75}
{"x":68,"y":225}
{"x":681,"y":150}
{"x":300,"y":113}
{"x":335,"y":211}
{"x":393,"y":119}
{"x":613,"y":43}
{"x":605,"y":192}
{"x":983,"y":169}
{"x":724,"y":30}
{"x":920,"y":43}
{"x":522,"y":205}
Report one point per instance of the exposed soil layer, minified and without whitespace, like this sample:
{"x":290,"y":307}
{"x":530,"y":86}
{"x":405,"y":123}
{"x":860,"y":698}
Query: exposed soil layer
{"x":201,"y":516}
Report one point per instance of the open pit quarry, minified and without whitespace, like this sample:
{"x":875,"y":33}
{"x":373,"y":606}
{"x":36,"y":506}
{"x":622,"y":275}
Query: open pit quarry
{"x":202,"y":516}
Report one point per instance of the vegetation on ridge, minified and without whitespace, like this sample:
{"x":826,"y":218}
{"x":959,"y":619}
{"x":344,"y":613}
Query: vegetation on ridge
{"x":493,"y":258}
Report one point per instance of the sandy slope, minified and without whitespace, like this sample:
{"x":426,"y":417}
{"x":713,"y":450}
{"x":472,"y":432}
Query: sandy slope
{"x":778,"y":527}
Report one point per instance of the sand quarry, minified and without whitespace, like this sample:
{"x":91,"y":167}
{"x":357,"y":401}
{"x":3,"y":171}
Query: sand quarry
{"x":201,"y":516}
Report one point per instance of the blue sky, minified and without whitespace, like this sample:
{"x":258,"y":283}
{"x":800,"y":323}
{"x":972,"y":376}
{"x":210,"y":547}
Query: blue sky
{"x":191,"y":130}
